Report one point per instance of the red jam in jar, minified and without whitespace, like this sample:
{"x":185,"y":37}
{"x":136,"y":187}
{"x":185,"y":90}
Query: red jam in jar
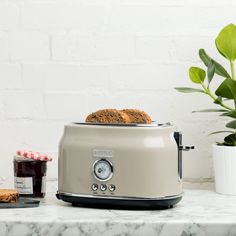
{"x":30,"y":177}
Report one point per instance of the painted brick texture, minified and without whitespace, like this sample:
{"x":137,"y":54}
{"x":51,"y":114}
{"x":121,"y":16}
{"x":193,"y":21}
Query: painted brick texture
{"x":60,"y":60}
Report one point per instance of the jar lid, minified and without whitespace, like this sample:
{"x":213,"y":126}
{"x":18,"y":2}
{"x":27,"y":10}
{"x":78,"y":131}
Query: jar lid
{"x":33,"y":155}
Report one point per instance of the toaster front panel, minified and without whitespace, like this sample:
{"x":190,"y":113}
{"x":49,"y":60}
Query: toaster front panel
{"x":119,"y":163}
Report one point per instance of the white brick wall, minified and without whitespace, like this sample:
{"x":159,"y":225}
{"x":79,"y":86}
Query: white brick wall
{"x":4,"y":47}
{"x":28,"y":46}
{"x":23,"y":105}
{"x":60,"y":60}
{"x":9,"y":15}
{"x":63,"y":15}
{"x":10,"y":76}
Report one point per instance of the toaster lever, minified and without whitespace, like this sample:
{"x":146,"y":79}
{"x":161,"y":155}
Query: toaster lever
{"x":186,"y":148}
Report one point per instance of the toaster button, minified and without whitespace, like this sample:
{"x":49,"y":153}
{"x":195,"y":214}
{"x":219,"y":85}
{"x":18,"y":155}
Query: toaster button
{"x":112,"y":187}
{"x":94,"y":187}
{"x":103,"y":187}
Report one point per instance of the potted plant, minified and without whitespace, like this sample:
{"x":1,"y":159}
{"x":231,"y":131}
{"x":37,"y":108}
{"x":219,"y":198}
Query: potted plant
{"x":224,"y":153}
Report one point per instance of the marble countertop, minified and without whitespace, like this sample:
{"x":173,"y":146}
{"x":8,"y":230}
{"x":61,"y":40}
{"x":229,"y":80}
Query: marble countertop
{"x":200,"y":212}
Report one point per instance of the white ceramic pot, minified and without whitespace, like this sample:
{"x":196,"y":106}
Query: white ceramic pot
{"x":224,"y":158}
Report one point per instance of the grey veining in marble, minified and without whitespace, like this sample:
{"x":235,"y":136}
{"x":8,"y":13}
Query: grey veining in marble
{"x":201,"y":212}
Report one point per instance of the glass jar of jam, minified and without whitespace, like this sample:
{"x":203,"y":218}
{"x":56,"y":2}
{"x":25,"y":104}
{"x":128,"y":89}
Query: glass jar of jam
{"x":30,"y":175}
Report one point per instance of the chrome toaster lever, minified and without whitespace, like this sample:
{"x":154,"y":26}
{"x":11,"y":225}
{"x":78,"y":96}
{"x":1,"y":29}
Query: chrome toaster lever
{"x":178,"y":139}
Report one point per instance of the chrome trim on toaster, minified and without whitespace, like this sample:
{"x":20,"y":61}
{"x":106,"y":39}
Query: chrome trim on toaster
{"x":119,"y":198}
{"x":153,"y":124}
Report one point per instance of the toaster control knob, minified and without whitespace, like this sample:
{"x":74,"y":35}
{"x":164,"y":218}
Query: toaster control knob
{"x":102,"y":170}
{"x":103,"y":187}
{"x":94,"y":187}
{"x":112,"y":187}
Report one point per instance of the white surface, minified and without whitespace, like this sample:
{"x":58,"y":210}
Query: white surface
{"x":60,"y":60}
{"x":201,"y":213}
{"x":225,"y":169}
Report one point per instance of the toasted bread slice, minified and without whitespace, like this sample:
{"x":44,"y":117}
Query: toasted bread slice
{"x":9,"y":195}
{"x":108,"y":116}
{"x":113,"y":116}
{"x":138,"y":116}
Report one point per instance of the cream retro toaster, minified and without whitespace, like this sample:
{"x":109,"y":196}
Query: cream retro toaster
{"x":121,"y":166}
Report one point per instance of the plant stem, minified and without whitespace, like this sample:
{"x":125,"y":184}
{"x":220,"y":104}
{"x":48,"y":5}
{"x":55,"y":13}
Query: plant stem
{"x":209,"y":93}
{"x":232,"y":70}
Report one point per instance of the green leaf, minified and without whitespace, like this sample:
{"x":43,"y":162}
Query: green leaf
{"x":223,"y":131}
{"x":226,"y":42}
{"x":230,"y":140}
{"x":211,"y":110}
{"x":210,"y":71}
{"x":189,"y":90}
{"x":204,"y":57}
{"x":231,"y":124}
{"x":219,"y":69}
{"x":197,"y":75}
{"x":218,"y":100}
{"x":229,"y":114}
{"x":227,"y":89}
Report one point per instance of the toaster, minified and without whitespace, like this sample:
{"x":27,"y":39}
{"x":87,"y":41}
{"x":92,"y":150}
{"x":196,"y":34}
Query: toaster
{"x":125,"y":166}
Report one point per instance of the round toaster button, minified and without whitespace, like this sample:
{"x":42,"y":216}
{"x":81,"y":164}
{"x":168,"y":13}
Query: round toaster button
{"x":94,"y":187}
{"x":103,"y":187}
{"x":112,"y":187}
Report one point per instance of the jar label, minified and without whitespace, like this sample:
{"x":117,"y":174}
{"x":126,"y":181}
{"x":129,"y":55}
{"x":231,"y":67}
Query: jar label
{"x":43,"y":187}
{"x":24,"y":185}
